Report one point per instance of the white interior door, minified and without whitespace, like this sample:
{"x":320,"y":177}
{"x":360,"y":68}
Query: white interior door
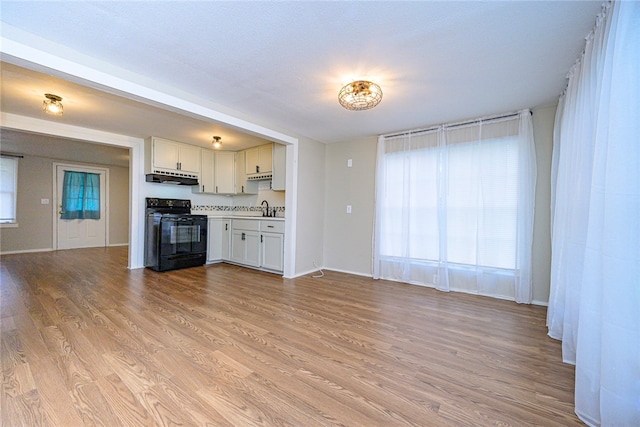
{"x":80,"y":233}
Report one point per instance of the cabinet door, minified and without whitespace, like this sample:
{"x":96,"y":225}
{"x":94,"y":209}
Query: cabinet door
{"x":165,"y":154}
{"x":251,"y":161}
{"x":207,"y":176}
{"x":215,"y":240}
{"x":238,"y":246}
{"x":243,"y":186}
{"x":225,"y":172}
{"x":226,"y":239}
{"x":189,"y":158}
{"x":265,"y":158}
{"x":273,"y":251}
{"x":245,"y":247}
{"x":241,"y":173}
{"x":252,"y":254}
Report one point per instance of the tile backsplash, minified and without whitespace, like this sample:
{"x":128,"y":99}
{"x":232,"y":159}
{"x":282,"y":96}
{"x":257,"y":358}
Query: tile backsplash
{"x":234,"y":210}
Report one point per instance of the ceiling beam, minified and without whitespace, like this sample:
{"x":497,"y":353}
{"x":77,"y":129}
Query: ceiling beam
{"x":19,"y":48}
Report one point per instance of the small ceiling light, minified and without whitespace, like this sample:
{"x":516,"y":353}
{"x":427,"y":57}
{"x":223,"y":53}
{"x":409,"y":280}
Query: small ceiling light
{"x":360,"y":95}
{"x":52,"y":104}
{"x":216,"y":142}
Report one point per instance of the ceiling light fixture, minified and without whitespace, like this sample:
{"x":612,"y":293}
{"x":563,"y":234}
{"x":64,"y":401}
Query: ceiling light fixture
{"x":360,"y":95}
{"x":216,"y":142}
{"x":52,"y":104}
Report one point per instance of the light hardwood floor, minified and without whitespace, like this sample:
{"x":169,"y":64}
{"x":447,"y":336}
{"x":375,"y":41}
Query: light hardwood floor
{"x":87,"y":342}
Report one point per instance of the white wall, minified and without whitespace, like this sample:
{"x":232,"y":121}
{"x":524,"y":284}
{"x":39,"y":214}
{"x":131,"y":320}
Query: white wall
{"x":35,"y":220}
{"x":543,"y":119}
{"x":310,"y":206}
{"x":348,"y":238}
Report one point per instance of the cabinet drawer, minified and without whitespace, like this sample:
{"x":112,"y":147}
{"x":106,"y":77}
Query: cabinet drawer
{"x":246,"y":224}
{"x":272,"y":226}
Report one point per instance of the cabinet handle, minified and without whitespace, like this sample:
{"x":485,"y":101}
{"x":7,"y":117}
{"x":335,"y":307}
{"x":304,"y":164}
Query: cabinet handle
{"x":242,"y":189}
{"x":257,"y":168}
{"x":242,"y":236}
{"x":179,"y":165}
{"x":261,"y":238}
{"x":226,"y":227}
{"x":203,"y":188}
{"x":216,"y":188}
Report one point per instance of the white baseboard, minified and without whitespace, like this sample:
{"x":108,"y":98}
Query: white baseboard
{"x":304,"y":273}
{"x":541,"y":303}
{"x":30,"y":251}
{"x":26,"y":251}
{"x":316,"y":270}
{"x":337,"y":270}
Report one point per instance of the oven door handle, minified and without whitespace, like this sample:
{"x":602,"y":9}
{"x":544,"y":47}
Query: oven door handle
{"x":177,"y":220}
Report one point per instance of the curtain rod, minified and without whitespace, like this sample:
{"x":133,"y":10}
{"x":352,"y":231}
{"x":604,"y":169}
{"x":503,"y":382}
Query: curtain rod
{"x":20,"y":156}
{"x":453,"y":125}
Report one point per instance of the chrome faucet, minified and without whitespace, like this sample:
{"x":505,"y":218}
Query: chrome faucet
{"x":267,"y":211}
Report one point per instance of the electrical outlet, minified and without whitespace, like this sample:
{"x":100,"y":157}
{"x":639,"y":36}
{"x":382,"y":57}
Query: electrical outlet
{"x":44,"y":201}
{"x":349,"y":163}
{"x":348,"y":209}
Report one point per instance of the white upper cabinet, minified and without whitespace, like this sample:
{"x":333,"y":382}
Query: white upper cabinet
{"x":207,"y":183}
{"x":218,"y":173}
{"x":225,"y":171}
{"x":165,"y":156}
{"x":243,"y":185}
{"x":259,"y":160}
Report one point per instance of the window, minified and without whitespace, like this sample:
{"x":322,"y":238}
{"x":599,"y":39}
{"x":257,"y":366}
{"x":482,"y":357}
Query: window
{"x":8,"y":189}
{"x":80,"y":195}
{"x":454,"y":207}
{"x":481,"y":205}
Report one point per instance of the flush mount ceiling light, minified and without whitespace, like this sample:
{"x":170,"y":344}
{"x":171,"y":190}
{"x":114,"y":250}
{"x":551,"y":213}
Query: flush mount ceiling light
{"x":52,"y":104}
{"x":360,"y":95}
{"x":216,"y":142}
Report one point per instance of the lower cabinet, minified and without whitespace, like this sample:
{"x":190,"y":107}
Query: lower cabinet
{"x":219,"y":240}
{"x":272,"y":239}
{"x":272,"y":251}
{"x":245,"y":247}
{"x":250,"y":242}
{"x":226,"y":240}
{"x":214,"y":249}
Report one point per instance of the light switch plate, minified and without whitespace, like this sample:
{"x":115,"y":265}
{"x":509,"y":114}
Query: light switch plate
{"x":349,"y":163}
{"x":349,"y":209}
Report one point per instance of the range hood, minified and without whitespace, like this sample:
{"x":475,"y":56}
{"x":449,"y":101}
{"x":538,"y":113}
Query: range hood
{"x":170,"y":179}
{"x":260,"y":176}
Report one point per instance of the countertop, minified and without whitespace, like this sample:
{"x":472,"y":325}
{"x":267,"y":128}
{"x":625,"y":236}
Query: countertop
{"x":262,"y":218}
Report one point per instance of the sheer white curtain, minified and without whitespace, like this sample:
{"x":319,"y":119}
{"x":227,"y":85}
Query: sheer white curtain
{"x":454,"y":207}
{"x":594,"y":304}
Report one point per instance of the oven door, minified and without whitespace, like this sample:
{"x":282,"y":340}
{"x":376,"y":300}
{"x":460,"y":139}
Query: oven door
{"x":182,"y":235}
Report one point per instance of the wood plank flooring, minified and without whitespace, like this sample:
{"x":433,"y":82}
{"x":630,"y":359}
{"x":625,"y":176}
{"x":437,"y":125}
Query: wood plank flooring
{"x":84,"y":341}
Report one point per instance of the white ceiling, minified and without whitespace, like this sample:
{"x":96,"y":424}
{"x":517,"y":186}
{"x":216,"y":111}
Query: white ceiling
{"x":281,"y":64}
